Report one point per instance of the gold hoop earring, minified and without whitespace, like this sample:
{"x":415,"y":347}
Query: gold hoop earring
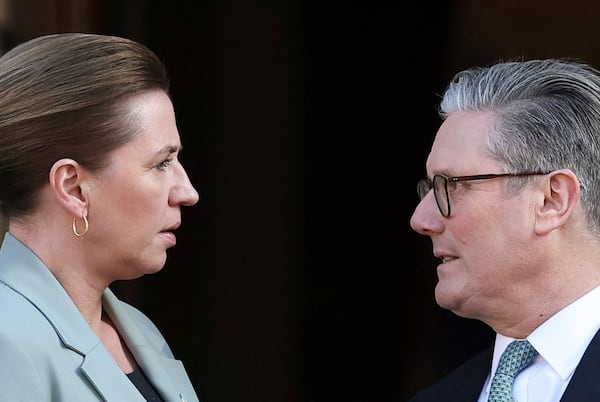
{"x":85,"y":223}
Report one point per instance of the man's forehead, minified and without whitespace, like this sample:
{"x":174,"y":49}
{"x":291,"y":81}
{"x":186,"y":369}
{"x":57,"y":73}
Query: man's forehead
{"x":460,"y":142}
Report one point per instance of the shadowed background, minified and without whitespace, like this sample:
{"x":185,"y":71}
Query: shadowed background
{"x":306,"y":125}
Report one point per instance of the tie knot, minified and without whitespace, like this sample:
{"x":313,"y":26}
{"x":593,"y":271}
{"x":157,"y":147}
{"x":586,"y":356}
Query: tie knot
{"x":516,"y":357}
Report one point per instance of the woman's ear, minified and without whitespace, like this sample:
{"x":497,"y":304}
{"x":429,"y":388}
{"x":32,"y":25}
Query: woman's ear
{"x":561,"y":195}
{"x":66,"y":177}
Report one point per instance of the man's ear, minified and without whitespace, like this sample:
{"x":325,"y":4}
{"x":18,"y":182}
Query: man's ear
{"x":561,"y":194}
{"x":66,"y":176}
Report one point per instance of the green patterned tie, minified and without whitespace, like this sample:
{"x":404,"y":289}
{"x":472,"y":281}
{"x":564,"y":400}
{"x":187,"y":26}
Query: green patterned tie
{"x":514,"y":359}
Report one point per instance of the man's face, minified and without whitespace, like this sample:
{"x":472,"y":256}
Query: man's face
{"x":483,"y":244}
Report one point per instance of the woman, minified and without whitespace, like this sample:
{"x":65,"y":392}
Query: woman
{"x":92,"y":189}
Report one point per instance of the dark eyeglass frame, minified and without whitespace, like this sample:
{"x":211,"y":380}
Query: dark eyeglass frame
{"x":425,"y":185}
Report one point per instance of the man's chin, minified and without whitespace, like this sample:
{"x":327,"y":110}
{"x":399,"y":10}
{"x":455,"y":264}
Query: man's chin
{"x":448,"y":299}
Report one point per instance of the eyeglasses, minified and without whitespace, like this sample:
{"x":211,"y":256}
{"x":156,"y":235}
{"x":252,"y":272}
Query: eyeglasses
{"x":439,"y":183}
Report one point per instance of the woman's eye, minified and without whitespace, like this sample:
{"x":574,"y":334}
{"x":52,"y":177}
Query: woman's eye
{"x":164,"y":164}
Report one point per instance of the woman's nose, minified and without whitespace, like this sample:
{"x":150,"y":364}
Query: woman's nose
{"x":184,"y":192}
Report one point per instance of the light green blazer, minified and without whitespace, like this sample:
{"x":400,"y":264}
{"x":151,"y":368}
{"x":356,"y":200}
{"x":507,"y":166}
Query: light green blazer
{"x":49,"y":353}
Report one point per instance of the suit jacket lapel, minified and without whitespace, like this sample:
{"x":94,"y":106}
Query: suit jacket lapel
{"x":462,"y":384}
{"x":585,"y":384}
{"x":470,"y":378}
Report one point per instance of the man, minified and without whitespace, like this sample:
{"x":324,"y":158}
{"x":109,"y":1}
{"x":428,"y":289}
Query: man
{"x":511,"y":203}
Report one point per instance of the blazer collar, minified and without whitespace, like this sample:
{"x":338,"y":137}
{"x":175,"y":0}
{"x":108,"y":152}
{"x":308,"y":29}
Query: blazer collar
{"x":27,"y":275}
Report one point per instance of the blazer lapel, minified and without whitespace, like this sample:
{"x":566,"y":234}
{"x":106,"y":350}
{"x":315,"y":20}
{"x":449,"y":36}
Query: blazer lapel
{"x":585,"y":384}
{"x":107,"y":378}
{"x":167,"y":375}
{"x":25,"y":273}
{"x":152,"y":353}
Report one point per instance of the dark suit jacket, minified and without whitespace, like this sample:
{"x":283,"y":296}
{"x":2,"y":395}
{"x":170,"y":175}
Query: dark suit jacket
{"x":465,"y":383}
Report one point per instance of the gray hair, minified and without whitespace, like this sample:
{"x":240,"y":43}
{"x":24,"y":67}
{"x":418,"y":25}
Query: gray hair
{"x":547,"y":117}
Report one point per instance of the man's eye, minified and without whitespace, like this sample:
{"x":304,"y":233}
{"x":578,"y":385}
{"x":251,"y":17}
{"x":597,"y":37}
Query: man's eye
{"x":452,"y":185}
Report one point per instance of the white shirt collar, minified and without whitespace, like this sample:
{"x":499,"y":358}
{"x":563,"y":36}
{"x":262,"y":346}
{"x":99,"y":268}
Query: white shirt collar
{"x":562,"y":340}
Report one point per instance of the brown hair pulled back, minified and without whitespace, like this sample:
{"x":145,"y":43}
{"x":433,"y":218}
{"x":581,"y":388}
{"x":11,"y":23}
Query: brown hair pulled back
{"x":64,"y":96}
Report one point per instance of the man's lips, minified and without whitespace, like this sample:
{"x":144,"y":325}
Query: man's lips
{"x":444,"y":256}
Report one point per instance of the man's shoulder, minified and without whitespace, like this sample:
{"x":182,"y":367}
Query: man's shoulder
{"x":460,"y":385}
